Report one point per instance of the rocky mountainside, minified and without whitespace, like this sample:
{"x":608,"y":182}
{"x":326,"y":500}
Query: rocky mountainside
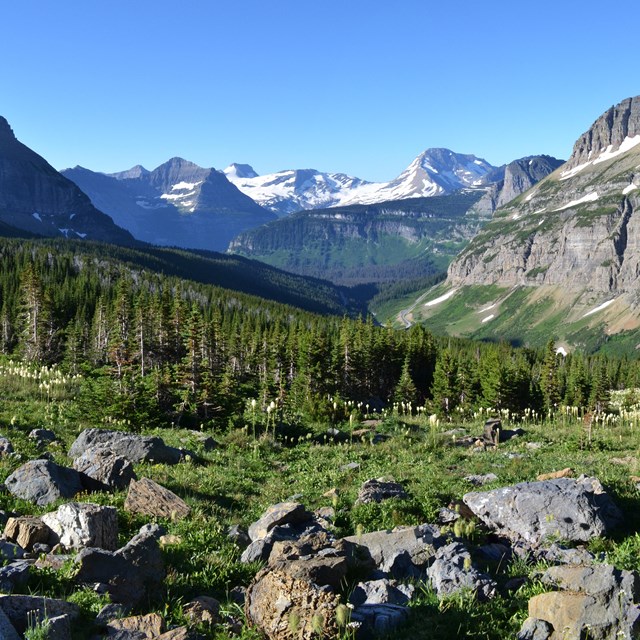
{"x":367,"y":243}
{"x":433,"y":172}
{"x":570,"y":245}
{"x":176,"y":204}
{"x":35,"y":198}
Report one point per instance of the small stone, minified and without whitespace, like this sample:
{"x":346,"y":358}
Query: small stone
{"x":377,"y":491}
{"x":202,"y":610}
{"x":43,"y":436}
{"x":149,"y":626}
{"x":6,"y":448}
{"x":563,"y":473}
{"x":278,"y":514}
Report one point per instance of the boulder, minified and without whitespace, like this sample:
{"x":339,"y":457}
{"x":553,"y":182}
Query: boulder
{"x":7,"y":630}
{"x":284,"y":607}
{"x":134,"y":448}
{"x":574,"y":510}
{"x":401,"y":553}
{"x":21,"y":609}
{"x":276,"y":515}
{"x":148,"y":626}
{"x":202,"y":610}
{"x":44,"y":482}
{"x":14,"y":575}
{"x":379,"y":490}
{"x":453,"y":571}
{"x":106,"y":468}
{"x":27,"y":531}
{"x":10,"y":551}
{"x":129,"y":573}
{"x":382,"y":591}
{"x":598,"y":601}
{"x":83,"y":524}
{"x":479,"y":480}
{"x":378,"y":619}
{"x":149,"y":498}
{"x":534,"y":629}
{"x":43,"y":436}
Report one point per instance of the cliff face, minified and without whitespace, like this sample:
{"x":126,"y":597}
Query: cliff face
{"x":579,"y":228}
{"x":36,"y":198}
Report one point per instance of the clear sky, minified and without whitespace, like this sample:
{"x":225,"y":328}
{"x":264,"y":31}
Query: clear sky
{"x":355,"y":86}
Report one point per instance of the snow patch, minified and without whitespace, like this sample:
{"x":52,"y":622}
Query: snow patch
{"x":177,"y":196}
{"x":608,"y":154}
{"x":604,"y":305}
{"x":629,"y":189}
{"x":533,"y":193}
{"x":82,"y":235}
{"x":36,"y":215}
{"x":562,"y":351}
{"x":182,"y":186}
{"x":590,"y":197}
{"x":442,"y":298}
{"x":491,"y":306}
{"x":146,"y":205}
{"x":489,"y":317}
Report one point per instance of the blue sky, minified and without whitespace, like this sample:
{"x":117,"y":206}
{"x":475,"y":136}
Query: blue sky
{"x":353,"y":86}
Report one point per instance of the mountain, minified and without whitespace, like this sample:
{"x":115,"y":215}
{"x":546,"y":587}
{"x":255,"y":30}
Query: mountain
{"x":286,"y":192}
{"x":37,"y":199}
{"x":433,"y":172}
{"x":355,"y":244}
{"x":176,"y":204}
{"x":563,"y":258}
{"x":398,"y":239}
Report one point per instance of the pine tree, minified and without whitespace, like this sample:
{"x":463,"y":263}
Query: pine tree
{"x":445,"y":391}
{"x":550,"y":378}
{"x":405,"y":390}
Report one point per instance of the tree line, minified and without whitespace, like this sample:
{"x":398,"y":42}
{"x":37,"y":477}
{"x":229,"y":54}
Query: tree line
{"x":161,"y":349}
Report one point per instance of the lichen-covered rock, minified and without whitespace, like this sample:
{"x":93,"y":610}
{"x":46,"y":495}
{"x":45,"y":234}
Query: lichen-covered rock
{"x":44,"y":482}
{"x":19,"y":607}
{"x":379,"y":490}
{"x":283,"y":607}
{"x":149,"y":498}
{"x":83,"y":524}
{"x":575,"y":510}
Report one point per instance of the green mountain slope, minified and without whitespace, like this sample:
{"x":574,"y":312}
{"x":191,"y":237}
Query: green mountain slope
{"x":368,"y":243}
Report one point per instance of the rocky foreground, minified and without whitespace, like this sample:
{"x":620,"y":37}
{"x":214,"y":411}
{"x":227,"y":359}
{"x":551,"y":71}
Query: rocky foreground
{"x":300,"y":590}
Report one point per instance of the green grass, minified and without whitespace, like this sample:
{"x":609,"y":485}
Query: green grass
{"x":237,"y":481}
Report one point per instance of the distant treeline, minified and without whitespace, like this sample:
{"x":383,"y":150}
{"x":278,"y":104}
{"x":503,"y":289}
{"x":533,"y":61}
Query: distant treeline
{"x":158,"y":348}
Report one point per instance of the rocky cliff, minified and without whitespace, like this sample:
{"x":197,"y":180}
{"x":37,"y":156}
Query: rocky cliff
{"x":36,"y":198}
{"x":577,"y":232}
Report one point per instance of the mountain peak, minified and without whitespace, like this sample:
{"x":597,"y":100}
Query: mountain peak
{"x":608,"y":132}
{"x":236,"y":170}
{"x":5,"y":130}
{"x":138,"y":171}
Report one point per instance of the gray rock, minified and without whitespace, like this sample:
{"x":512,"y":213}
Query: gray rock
{"x":128,"y":573}
{"x":59,"y":627}
{"x":350,"y":466}
{"x":534,"y":629}
{"x":83,"y":524}
{"x":133,"y":447}
{"x":14,"y":575}
{"x":106,"y":468}
{"x":278,"y":514}
{"x":10,"y":551}
{"x":111,"y":612}
{"x":43,"y":436}
{"x":7,"y":630}
{"x":6,"y":448}
{"x":401,"y":553}
{"x":453,"y":571}
{"x":382,"y":591}
{"x":479,"y":480}
{"x":378,"y":619}
{"x":20,"y":608}
{"x":575,"y":510}
{"x":43,"y":482}
{"x":379,"y":490}
{"x":238,"y":535}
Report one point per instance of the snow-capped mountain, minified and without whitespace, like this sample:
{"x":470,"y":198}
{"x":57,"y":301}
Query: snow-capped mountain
{"x":179,"y":203}
{"x":286,"y":192}
{"x":434,"y":172}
